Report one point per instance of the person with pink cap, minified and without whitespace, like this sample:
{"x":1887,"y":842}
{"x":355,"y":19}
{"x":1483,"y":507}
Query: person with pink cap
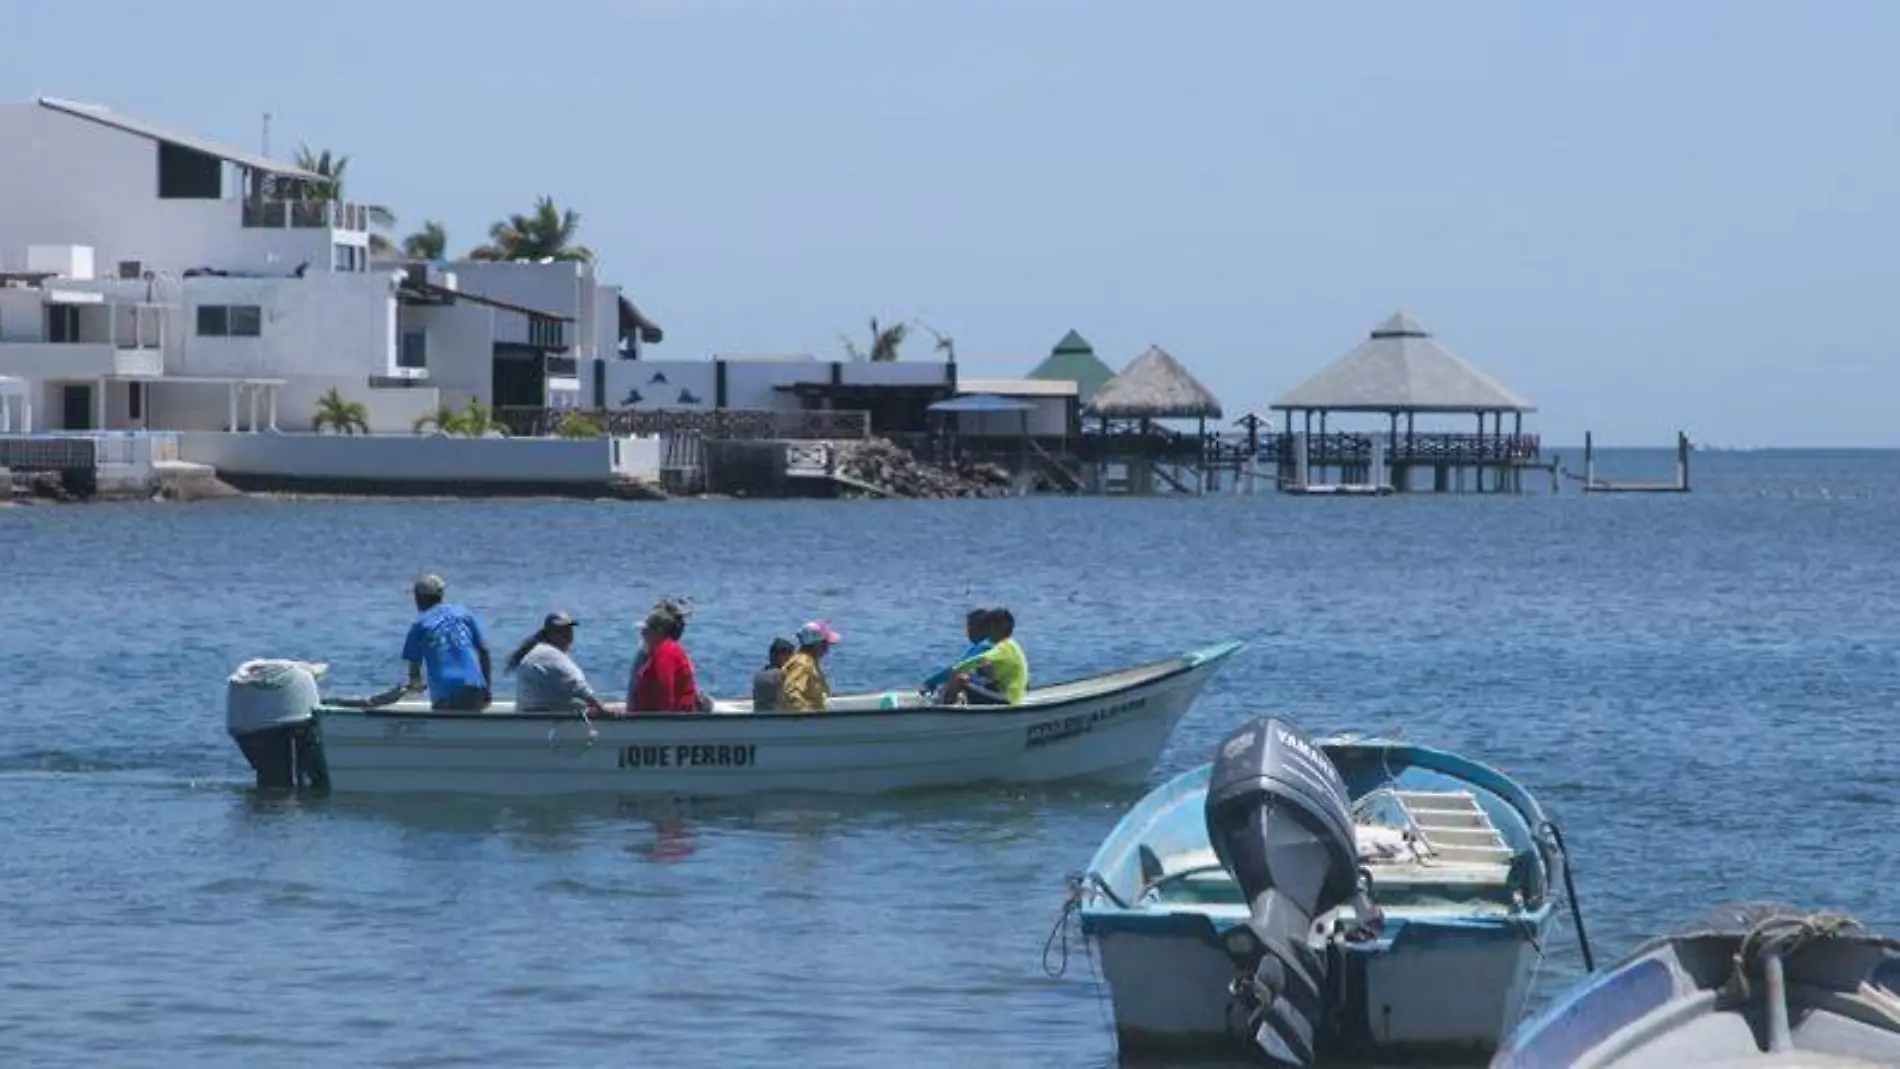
{"x":806,"y":689}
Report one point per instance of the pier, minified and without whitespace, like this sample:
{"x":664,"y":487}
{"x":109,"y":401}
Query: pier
{"x":1594,"y":485}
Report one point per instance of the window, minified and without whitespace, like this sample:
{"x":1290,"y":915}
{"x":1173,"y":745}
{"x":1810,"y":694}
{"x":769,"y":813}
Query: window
{"x":247,"y":321}
{"x":415,"y":349}
{"x":545,"y":332}
{"x":230,"y":321}
{"x":135,"y":400}
{"x":62,"y":323}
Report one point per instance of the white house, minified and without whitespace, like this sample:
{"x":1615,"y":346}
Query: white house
{"x":153,"y":279}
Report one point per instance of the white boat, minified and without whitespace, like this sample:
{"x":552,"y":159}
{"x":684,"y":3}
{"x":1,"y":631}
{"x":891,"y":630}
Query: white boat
{"x":1305,"y":902}
{"x":1109,"y":728}
{"x":1750,"y":985}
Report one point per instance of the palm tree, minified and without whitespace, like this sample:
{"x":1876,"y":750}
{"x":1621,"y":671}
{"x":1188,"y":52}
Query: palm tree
{"x":347,"y":417}
{"x":444,"y":419}
{"x":945,"y":343}
{"x":548,"y":234}
{"x":429,"y":243}
{"x":478,"y":421}
{"x":330,"y":189}
{"x":885,"y":342}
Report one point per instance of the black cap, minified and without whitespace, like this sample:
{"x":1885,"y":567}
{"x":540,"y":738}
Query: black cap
{"x":557,"y":619}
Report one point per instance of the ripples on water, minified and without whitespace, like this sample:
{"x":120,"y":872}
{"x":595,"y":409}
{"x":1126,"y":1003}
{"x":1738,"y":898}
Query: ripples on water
{"x":1699,"y":688}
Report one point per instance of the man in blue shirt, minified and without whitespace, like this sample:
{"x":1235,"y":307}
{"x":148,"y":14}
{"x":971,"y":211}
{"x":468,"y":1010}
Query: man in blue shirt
{"x":447,"y":641}
{"x":977,"y":628}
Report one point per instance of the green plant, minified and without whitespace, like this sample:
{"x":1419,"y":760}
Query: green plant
{"x":885,"y":341}
{"x":547,"y":233}
{"x":444,"y":419}
{"x":579,"y":425}
{"x":345,"y":417}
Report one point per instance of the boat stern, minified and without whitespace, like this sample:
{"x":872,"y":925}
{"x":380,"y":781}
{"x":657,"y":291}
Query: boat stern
{"x":269,"y":711}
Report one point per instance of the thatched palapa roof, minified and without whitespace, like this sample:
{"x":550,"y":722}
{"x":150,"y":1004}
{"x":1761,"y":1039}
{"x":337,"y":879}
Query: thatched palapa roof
{"x":1154,"y":386}
{"x":1401,"y":369}
{"x":1074,"y":360}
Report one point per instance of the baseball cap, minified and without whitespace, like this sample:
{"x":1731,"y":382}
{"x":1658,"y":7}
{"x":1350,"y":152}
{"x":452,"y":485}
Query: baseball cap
{"x":557,"y":618}
{"x":431,"y":584}
{"x":818,"y":633}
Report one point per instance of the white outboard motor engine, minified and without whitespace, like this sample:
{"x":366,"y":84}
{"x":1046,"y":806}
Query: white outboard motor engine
{"x":268,"y":708}
{"x":1280,"y":821}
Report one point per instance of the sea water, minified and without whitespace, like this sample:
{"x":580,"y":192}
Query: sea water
{"x":1701,"y":689}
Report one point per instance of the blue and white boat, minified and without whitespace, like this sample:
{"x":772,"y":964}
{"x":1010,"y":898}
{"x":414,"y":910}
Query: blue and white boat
{"x":1357,"y":898}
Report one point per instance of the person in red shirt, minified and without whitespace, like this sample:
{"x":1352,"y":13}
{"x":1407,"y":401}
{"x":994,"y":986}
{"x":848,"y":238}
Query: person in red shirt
{"x":664,"y":683}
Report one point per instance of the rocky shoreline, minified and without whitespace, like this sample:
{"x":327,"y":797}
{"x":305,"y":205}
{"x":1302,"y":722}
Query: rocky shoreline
{"x":895,"y":470}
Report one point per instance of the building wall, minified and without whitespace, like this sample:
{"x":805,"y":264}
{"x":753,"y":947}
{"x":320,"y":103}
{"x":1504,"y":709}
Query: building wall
{"x":423,"y":458}
{"x":564,"y":288}
{"x":660,"y":384}
{"x":461,"y":348}
{"x":83,"y":183}
{"x":1048,"y":419}
{"x":606,"y":336}
{"x":749,"y":383}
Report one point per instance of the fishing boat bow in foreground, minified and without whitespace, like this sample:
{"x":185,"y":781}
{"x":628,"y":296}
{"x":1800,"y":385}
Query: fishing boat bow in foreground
{"x":1110,"y":727}
{"x":1751,"y":985}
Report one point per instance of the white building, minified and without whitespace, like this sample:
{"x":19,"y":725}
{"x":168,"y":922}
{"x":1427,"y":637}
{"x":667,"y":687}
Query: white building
{"x":153,"y":279}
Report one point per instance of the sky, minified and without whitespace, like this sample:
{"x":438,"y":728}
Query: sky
{"x":1643,"y":216}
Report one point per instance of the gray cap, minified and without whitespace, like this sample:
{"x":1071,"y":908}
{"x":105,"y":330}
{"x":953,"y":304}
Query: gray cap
{"x":430,"y":585}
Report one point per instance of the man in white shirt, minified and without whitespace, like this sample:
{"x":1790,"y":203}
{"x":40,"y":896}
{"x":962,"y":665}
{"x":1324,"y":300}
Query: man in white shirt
{"x":546,"y":679}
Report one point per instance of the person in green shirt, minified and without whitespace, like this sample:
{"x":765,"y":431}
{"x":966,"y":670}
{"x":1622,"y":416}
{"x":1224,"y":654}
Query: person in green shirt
{"x":1005,"y":663}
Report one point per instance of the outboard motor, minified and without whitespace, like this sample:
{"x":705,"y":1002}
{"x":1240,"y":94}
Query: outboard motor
{"x":1280,"y":821}
{"x":268,"y":709}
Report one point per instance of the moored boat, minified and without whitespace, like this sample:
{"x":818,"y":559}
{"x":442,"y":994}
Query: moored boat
{"x":1335,"y":901}
{"x":1108,"y":727}
{"x":1749,"y":985}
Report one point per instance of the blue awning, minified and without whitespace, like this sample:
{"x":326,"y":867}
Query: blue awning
{"x":982,"y":402}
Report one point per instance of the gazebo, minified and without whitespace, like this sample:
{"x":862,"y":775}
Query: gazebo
{"x":1401,"y":371}
{"x":1154,"y":386}
{"x":1074,"y":360}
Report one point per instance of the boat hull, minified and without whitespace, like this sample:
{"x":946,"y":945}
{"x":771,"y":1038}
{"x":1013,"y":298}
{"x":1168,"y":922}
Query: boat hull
{"x":1105,"y":733}
{"x":1169,"y":990}
{"x":1450,"y":970}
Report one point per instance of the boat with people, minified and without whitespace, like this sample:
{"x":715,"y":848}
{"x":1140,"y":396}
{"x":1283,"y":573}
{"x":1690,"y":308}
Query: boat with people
{"x":1110,"y":727}
{"x":1750,"y":984}
{"x":1303,"y":901}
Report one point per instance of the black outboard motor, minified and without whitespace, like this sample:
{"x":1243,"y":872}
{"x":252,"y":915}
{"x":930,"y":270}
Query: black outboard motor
{"x":1280,"y":822}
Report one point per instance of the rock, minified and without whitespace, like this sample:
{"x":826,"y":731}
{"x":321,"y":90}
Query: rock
{"x":48,"y":486}
{"x":885,"y":464}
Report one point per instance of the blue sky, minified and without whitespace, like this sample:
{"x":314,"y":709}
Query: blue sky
{"x":1641,"y":215}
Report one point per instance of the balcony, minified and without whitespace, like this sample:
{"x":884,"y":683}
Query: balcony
{"x":79,"y":360}
{"x":305,"y":215}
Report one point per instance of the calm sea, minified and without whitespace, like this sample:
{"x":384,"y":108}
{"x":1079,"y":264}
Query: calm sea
{"x":1700,"y":688}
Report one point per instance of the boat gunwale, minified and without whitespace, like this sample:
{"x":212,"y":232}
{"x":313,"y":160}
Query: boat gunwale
{"x":1489,"y":778}
{"x":1175,"y":667}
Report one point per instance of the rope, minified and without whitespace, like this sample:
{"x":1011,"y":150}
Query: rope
{"x":1781,"y":935}
{"x":1058,"y":940}
{"x":1057,"y":946}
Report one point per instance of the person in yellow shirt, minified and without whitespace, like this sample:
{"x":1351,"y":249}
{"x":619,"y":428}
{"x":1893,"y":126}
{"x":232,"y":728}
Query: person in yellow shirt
{"x":806,"y":689}
{"x":1007,"y":666}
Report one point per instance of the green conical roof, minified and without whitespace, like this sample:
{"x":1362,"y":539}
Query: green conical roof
{"x":1074,"y":360}
{"x":1073,"y":343}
